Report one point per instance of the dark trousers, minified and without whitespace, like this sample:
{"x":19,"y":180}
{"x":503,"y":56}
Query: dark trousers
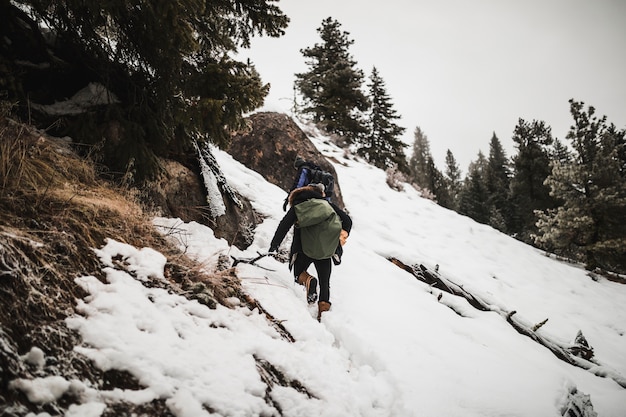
{"x":323,"y":268}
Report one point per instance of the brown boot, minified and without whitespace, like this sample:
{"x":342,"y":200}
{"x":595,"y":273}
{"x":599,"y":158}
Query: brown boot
{"x":322,"y":306}
{"x":310,"y":283}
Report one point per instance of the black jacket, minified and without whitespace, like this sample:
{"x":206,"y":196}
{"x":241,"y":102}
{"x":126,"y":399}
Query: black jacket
{"x":296,"y":197}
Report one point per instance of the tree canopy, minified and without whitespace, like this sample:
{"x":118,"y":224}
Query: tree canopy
{"x":168,"y":65}
{"x":531,"y":167}
{"x":418,"y":163}
{"x":381,"y":145}
{"x":331,"y":88}
{"x":590,"y":222}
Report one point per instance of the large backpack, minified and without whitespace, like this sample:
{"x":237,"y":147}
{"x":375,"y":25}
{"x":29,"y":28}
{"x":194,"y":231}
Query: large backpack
{"x":319,"y":226}
{"x":314,"y":174}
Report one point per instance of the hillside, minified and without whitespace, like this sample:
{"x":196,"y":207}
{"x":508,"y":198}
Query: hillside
{"x":110,"y":310}
{"x":55,"y":209}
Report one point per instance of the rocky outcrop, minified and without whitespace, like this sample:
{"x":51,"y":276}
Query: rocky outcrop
{"x":179,"y":192}
{"x":271,"y":145}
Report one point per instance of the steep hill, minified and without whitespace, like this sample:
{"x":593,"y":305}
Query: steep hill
{"x":54,"y":211}
{"x":111,"y":310}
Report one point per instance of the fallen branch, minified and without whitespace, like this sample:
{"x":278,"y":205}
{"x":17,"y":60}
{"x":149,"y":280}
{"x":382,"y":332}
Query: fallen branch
{"x":251,"y":261}
{"x":558,"y":351}
{"x":435,"y":280}
{"x":566,"y":354}
{"x":539,"y":325}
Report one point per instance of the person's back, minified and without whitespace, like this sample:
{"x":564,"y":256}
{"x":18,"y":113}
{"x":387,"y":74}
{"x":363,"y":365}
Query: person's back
{"x":321,"y":227}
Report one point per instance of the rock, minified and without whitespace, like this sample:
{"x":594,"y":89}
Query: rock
{"x":270,"y":147}
{"x":177,"y":193}
{"x":180,"y":193}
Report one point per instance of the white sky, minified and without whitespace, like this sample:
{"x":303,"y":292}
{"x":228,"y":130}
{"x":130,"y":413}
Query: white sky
{"x":461,"y":70}
{"x":389,"y":347}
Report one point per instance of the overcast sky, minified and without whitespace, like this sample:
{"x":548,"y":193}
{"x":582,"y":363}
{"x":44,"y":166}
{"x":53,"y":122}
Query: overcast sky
{"x":461,"y":70}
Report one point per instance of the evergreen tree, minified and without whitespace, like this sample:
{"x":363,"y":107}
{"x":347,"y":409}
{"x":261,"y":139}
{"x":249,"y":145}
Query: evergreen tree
{"x":497,"y":179}
{"x":560,"y":152}
{"x":531,"y":167}
{"x":382,"y":145}
{"x":473,"y":199}
{"x":453,"y":180}
{"x":438,"y":184}
{"x":590,"y":222}
{"x":331,"y":89}
{"x":168,"y":64}
{"x":418,"y":163}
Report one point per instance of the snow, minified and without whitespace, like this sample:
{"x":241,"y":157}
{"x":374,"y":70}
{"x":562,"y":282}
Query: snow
{"x":35,"y":357}
{"x":214,"y":197}
{"x":94,"y":94}
{"x":42,"y":390}
{"x":388,"y":346}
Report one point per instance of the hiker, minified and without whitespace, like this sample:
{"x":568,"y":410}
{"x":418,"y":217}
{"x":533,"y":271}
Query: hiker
{"x":308,"y":172}
{"x":301,"y":166}
{"x":320,"y":227}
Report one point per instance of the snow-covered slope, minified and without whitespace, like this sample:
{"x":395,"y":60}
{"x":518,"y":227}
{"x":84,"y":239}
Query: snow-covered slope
{"x":390,"y":346}
{"x":443,"y":363}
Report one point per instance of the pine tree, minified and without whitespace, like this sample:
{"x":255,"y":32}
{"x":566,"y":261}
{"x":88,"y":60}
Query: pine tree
{"x":331,"y":89}
{"x":382,"y":145}
{"x":453,"y":179}
{"x":438,"y":184}
{"x":497,"y":179}
{"x":592,"y":187}
{"x":418,"y":163}
{"x":531,"y":167}
{"x":473,"y":199}
{"x":560,"y":152}
{"x":169,"y":64}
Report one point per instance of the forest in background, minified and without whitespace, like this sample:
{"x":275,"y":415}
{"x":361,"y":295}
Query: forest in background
{"x":163,"y":78}
{"x":567,"y":198}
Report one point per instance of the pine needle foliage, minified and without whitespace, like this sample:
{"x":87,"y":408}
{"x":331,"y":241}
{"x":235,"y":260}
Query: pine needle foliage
{"x":453,"y":178}
{"x":418,"y":163}
{"x":474,"y":196}
{"x":590,"y":222}
{"x":382,"y":145}
{"x":170,"y":64}
{"x":331,"y":88}
{"x":531,"y":167}
{"x":497,"y":180}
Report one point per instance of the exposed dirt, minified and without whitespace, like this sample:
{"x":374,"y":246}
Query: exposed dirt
{"x":54,"y":210}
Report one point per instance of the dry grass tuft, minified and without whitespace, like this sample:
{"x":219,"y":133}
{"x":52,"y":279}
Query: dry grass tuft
{"x":54,"y":210}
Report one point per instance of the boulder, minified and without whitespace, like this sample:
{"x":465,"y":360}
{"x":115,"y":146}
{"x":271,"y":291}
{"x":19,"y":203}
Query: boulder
{"x":270,"y":147}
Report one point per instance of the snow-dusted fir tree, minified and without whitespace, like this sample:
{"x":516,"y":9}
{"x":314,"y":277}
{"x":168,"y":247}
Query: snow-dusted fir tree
{"x":473,"y":199}
{"x":382,"y":145}
{"x":531,"y":167}
{"x":590,"y":222}
{"x":497,"y":179}
{"x":438,"y":184}
{"x":424,"y":173}
{"x":331,"y":88}
{"x":453,"y":178}
{"x":418,"y":163}
{"x":560,"y":152}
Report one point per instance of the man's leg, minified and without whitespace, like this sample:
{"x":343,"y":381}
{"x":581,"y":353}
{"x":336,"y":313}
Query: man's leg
{"x":302,"y":277}
{"x":324,"y":268}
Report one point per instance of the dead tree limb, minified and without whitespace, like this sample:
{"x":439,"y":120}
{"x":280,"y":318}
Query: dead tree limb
{"x":434,"y":279}
{"x":250,"y":261}
{"x":566,"y":354}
